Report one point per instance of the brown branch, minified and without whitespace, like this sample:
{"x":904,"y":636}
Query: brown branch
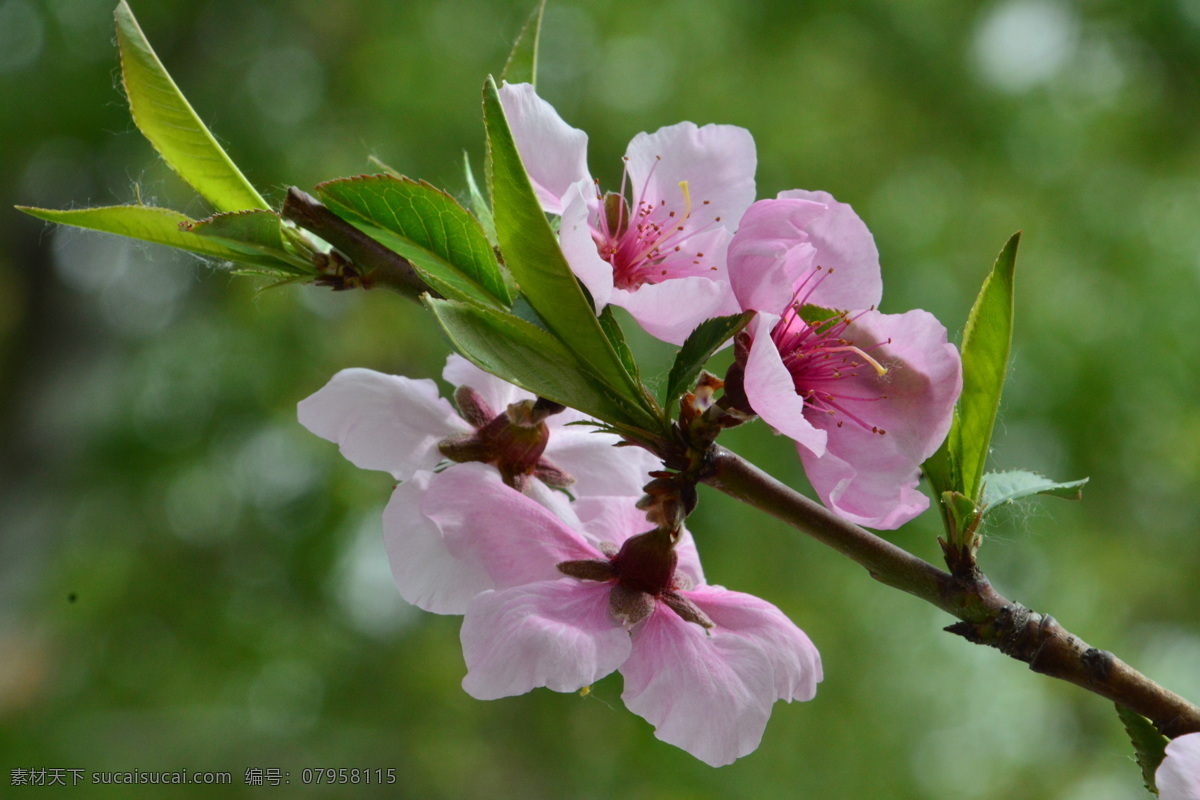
{"x":986,"y":616}
{"x":375,"y":264}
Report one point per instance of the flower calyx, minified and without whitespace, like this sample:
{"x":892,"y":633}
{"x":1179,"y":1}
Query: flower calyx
{"x":702,"y":417}
{"x":644,"y":569}
{"x":735,"y":378}
{"x":642,"y":572}
{"x":512,"y":441}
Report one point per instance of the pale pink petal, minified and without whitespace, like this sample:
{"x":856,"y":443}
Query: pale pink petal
{"x":554,"y":153}
{"x":611,"y":520}
{"x":599,"y":467}
{"x":710,"y":695}
{"x":556,"y":501}
{"x":672,"y":309}
{"x":870,"y":478}
{"x":865,"y":480}
{"x":427,"y":574}
{"x":689,"y":558}
{"x":561,"y":420}
{"x":579,"y":248}
{"x":716,"y":161}
{"x":710,"y":248}
{"x":846,"y":246}
{"x":771,"y":252}
{"x":924,"y":377}
{"x":380,"y":421}
{"x":559,"y":634}
{"x":770,"y":390}
{"x":516,"y":539}
{"x":498,"y":392}
{"x":794,"y":659}
{"x":1178,"y":777}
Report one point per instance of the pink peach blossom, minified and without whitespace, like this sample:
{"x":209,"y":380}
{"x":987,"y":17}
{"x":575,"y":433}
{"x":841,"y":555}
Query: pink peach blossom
{"x":660,"y":251}
{"x":866,"y":396}
{"x":1178,"y":777}
{"x":402,"y":426}
{"x":701,"y":663}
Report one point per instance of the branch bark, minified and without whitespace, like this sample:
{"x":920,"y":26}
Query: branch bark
{"x":986,"y":617}
{"x":375,"y":264}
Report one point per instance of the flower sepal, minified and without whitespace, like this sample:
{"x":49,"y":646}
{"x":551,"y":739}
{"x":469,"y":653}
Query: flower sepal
{"x":513,"y":441}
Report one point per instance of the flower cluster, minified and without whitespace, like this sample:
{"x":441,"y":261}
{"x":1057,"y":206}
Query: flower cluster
{"x":866,"y":396}
{"x":558,"y":592}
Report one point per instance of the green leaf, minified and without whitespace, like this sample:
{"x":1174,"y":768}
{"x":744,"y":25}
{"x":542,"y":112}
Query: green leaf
{"x":698,"y":348}
{"x":533,"y":359}
{"x":445,"y":244}
{"x":816,"y":315}
{"x":1149,"y":746}
{"x":251,"y":232}
{"x":941,"y":472}
{"x":521,"y":66}
{"x":531,"y":252}
{"x":166,"y":118}
{"x":160,"y":226}
{"x":608,"y":322}
{"x":1000,"y":488}
{"x":964,"y":514}
{"x":987,"y":339}
{"x":479,"y":204}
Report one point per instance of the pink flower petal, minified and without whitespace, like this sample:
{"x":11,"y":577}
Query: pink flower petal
{"x":794,"y":659}
{"x":579,"y":248}
{"x":555,"y":501}
{"x":382,"y":422}
{"x":611,"y":519}
{"x":672,"y":309}
{"x":866,"y":481}
{"x":1178,"y":777}
{"x":554,"y":153}
{"x":517,"y":540}
{"x":559,"y":634}
{"x":771,"y":252}
{"x":845,"y":245}
{"x":869,"y":478}
{"x":427,"y":574}
{"x":716,"y":161}
{"x":598,"y":466}
{"x":689,"y":558}
{"x":498,"y":392}
{"x":924,"y":377}
{"x":771,"y":392}
{"x":710,"y":695}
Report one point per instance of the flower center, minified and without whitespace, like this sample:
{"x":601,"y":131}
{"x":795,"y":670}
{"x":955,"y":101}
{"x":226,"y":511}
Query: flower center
{"x":647,"y":241}
{"x":642,"y":573}
{"x":647,"y":562}
{"x":829,"y":370}
{"x":512,"y":441}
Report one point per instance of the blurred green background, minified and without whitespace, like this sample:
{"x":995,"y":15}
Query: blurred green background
{"x":190,"y":580}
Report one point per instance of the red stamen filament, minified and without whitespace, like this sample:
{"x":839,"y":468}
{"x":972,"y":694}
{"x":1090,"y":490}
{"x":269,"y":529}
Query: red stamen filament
{"x":819,"y":356}
{"x":648,"y":242}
